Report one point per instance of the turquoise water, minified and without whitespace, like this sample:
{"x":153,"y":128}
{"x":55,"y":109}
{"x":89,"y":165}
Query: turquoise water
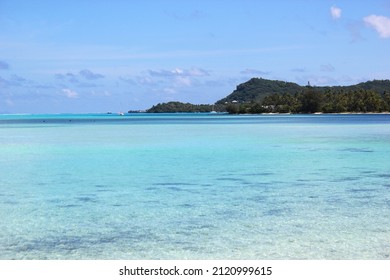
{"x":194,"y":186}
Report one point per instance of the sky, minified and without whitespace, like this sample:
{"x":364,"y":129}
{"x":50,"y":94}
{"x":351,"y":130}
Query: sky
{"x":95,"y":56}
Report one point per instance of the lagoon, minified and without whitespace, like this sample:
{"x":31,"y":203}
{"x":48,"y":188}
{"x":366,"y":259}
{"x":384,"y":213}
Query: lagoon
{"x":194,"y":186}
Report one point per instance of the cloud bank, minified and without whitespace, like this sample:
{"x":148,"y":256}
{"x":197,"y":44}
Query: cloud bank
{"x":177,"y":72}
{"x":89,"y":75}
{"x":380,"y":23}
{"x":74,"y":78}
{"x":172,"y":80}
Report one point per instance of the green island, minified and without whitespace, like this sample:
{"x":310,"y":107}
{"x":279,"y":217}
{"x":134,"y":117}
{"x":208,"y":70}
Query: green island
{"x":259,"y":95}
{"x":179,"y":107}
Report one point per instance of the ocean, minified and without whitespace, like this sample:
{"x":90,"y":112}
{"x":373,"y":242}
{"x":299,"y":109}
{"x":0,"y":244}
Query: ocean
{"x":195,"y":186}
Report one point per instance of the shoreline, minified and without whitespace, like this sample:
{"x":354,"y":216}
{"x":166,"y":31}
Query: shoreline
{"x":319,"y":113}
{"x":205,"y":113}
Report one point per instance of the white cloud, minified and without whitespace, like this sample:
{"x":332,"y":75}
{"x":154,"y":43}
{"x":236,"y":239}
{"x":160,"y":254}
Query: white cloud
{"x":177,"y":72}
{"x":70,"y":93}
{"x":380,"y":23}
{"x":172,"y":81}
{"x":335,"y":12}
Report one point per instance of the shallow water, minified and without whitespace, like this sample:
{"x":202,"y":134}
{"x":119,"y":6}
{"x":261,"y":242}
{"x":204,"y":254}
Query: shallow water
{"x":194,"y":186}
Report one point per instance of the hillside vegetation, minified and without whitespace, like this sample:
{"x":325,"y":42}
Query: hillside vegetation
{"x":268,"y":96}
{"x":179,"y":107}
{"x":372,"y":96}
{"x":256,"y":89}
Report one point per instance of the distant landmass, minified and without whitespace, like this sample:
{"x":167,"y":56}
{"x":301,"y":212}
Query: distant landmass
{"x":271,"y":96}
{"x":256,"y":89}
{"x":179,"y":107}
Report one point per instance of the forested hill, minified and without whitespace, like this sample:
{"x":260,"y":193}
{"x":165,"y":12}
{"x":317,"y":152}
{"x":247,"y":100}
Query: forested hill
{"x":267,"y":96}
{"x":372,"y":96}
{"x":256,"y":89}
{"x":379,"y":86}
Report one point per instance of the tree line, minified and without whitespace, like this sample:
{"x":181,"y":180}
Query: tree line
{"x":312,"y":100}
{"x":179,"y":107}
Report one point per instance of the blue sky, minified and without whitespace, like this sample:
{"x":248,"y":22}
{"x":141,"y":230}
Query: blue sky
{"x":115,"y":55}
